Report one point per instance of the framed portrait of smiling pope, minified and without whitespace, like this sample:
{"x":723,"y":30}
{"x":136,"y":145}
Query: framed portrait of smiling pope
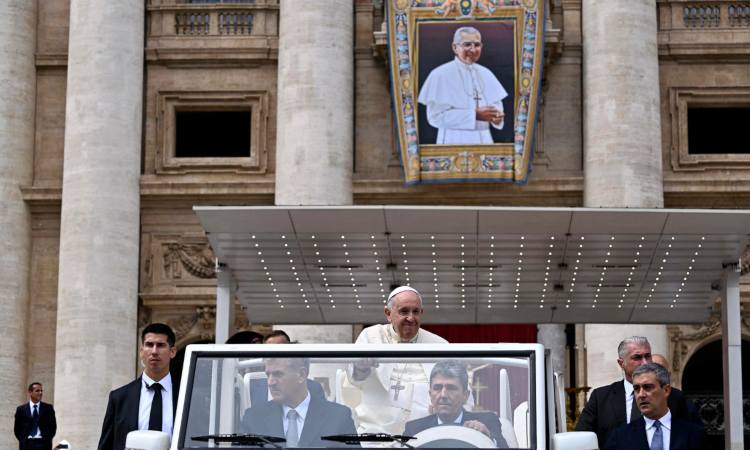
{"x":465,"y":84}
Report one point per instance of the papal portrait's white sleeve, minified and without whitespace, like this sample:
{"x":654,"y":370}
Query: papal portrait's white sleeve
{"x":446,"y":116}
{"x":499,"y":106}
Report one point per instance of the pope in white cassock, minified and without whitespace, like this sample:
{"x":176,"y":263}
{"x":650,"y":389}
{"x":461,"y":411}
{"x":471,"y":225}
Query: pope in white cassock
{"x":464,"y":99}
{"x":392,"y":394}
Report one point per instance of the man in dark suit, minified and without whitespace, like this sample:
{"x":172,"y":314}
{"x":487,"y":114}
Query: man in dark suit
{"x":613,"y":405}
{"x":35,"y":423}
{"x":149,"y":402}
{"x":657,"y":428}
{"x":293,"y":414}
{"x":259,"y":388}
{"x":449,"y":390}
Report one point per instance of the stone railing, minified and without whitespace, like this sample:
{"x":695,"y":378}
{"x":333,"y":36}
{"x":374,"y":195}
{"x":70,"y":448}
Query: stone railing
{"x":200,"y":23}
{"x":702,"y":16}
{"x":196,"y":33}
{"x":707,"y":30}
{"x":706,"y":14}
{"x":739,"y":15}
{"x":168,"y":18}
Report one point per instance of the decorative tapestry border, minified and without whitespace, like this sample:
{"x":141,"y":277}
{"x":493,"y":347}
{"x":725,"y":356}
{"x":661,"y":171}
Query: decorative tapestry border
{"x":465,"y":83}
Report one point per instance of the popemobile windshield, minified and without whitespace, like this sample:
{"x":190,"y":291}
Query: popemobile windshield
{"x":347,"y":395}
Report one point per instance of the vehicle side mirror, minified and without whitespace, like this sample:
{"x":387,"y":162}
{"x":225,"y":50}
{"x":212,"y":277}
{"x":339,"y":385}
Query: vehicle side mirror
{"x":575,"y":440}
{"x":147,"y":440}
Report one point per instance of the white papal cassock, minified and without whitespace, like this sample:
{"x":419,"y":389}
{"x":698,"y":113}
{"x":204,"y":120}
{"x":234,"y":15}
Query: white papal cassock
{"x":393,"y":393}
{"x":452,"y":93}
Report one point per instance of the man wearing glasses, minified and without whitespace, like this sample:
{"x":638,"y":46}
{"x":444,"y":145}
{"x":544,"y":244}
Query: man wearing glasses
{"x":463,"y":98}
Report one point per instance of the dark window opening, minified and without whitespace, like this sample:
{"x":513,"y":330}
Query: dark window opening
{"x":714,"y":131}
{"x":219,"y":1}
{"x":212,"y":134}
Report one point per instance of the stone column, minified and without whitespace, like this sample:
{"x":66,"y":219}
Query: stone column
{"x":622,"y":125}
{"x":314,"y":140}
{"x":98,"y":278}
{"x":552,"y":336}
{"x":622,"y":141}
{"x":315,"y":119}
{"x":18,"y":78}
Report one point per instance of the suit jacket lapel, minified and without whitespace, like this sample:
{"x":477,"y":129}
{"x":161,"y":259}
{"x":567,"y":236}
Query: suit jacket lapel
{"x":313,"y":420}
{"x":677,"y":437}
{"x":132,"y":403}
{"x":639,"y":428}
{"x":175,"y":396}
{"x":618,"y":402}
{"x":274,"y":421}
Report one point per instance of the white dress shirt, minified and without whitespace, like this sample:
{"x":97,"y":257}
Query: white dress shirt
{"x":147,"y":397}
{"x":666,"y":427}
{"x":457,"y":421}
{"x":301,"y":414}
{"x":629,"y":398}
{"x":38,"y":434}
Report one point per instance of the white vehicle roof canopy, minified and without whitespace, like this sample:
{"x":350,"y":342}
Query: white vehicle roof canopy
{"x":477,"y":264}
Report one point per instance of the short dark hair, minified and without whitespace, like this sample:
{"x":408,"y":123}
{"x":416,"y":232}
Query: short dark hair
{"x":31,"y":386}
{"x":277,"y":333}
{"x":662,"y":374}
{"x":245,"y":337}
{"x":159,"y":328}
{"x":451,"y":368}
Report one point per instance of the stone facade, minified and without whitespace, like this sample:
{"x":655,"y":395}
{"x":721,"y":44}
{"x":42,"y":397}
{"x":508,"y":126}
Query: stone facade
{"x":218,"y":56}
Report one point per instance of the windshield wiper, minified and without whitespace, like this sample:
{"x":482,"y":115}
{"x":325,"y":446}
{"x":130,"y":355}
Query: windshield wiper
{"x":369,"y":437}
{"x":242,"y":439}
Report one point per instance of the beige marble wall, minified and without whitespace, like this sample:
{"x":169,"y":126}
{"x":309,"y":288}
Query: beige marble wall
{"x":52,"y":26}
{"x":50,"y":127}
{"x":374,"y":140}
{"x":43,"y":299}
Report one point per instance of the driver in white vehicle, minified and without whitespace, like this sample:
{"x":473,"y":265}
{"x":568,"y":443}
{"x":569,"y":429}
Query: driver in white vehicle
{"x":449,"y":390}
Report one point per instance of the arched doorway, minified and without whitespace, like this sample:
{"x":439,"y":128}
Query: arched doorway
{"x":702,"y":383}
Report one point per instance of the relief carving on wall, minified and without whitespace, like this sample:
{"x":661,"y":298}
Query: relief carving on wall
{"x":196,"y":324}
{"x":196,"y":259}
{"x":177,"y":264}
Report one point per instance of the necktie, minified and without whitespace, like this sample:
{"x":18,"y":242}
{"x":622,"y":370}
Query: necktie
{"x":635,"y":412}
{"x":292,"y":435}
{"x":656,"y":442}
{"x":35,"y":418}
{"x":154,"y":420}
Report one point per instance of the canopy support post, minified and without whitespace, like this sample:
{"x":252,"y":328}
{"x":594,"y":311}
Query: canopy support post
{"x":225,"y":290}
{"x":732,"y":357}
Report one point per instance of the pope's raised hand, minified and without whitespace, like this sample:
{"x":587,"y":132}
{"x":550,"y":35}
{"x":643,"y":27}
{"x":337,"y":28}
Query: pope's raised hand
{"x":362,"y":367}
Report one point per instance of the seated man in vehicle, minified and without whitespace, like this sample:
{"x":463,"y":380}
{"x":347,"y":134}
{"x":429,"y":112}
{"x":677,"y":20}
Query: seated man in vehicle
{"x":449,"y":390}
{"x":293,"y":413}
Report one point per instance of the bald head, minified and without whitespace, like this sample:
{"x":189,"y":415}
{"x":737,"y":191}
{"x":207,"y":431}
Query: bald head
{"x":660,"y":360}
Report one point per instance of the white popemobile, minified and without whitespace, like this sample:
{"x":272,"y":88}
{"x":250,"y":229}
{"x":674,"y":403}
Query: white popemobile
{"x":511,"y":384}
